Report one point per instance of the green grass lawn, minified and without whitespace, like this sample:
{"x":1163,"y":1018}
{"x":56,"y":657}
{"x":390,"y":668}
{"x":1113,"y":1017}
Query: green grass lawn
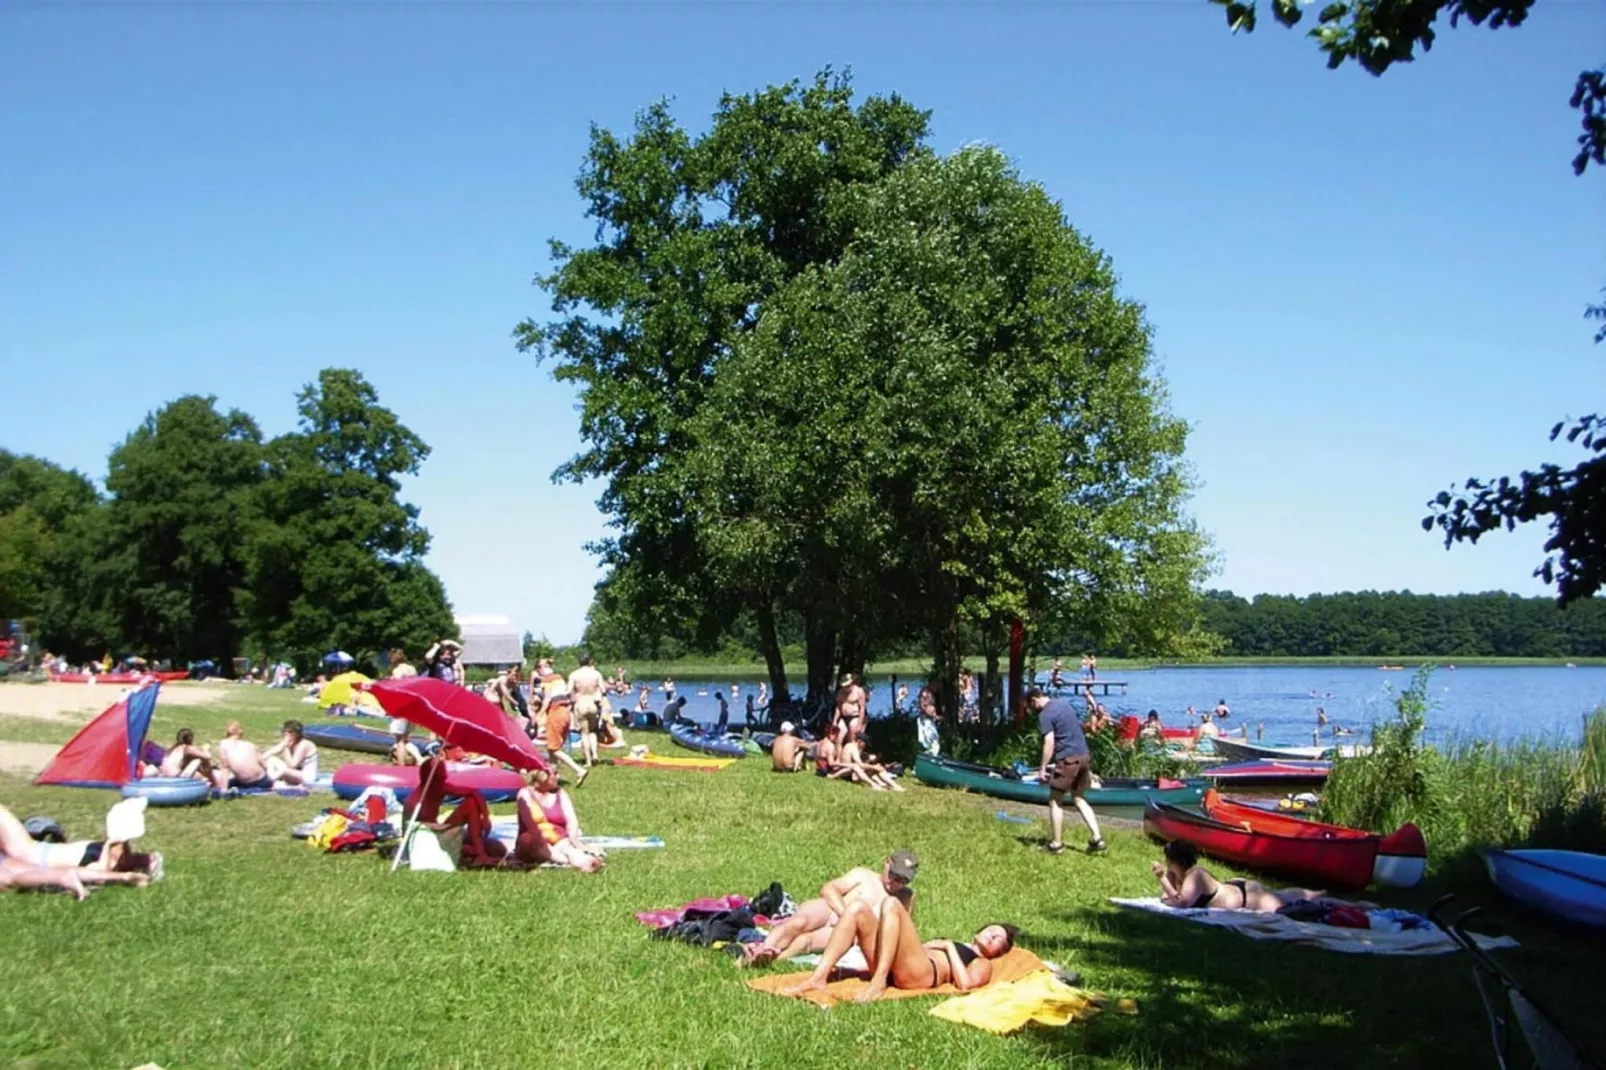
{"x":259,"y":952}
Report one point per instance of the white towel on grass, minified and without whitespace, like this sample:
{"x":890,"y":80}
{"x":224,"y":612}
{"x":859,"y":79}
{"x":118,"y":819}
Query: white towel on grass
{"x":1429,"y":941}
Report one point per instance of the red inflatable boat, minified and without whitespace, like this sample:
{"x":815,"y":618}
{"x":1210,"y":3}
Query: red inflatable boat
{"x":493,"y":782}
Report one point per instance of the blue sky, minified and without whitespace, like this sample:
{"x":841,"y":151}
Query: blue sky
{"x":1362,"y":289}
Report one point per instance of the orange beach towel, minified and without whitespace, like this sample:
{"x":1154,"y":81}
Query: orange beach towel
{"x":1011,"y":966}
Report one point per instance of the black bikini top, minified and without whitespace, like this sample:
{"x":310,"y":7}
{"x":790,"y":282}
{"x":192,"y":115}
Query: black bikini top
{"x":967,"y":954}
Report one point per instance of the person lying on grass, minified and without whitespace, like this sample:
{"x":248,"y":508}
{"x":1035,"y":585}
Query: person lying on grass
{"x":549,"y":829}
{"x":293,"y":761}
{"x":1186,"y":884}
{"x":899,"y":960}
{"x":29,"y":863}
{"x":810,"y":927}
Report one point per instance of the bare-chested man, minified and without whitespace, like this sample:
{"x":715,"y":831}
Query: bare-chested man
{"x":851,"y":703}
{"x":239,"y":762}
{"x":810,"y":928}
{"x":294,"y":759}
{"x":585,"y":691}
{"x":788,"y":753}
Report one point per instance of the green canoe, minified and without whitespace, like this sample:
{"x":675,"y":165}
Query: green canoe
{"x":1115,"y":794}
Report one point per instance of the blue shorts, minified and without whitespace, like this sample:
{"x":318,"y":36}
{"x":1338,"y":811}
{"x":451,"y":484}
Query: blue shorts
{"x":265,"y":783}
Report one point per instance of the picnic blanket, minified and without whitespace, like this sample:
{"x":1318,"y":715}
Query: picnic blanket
{"x":1003,"y":1007}
{"x":663,"y":918}
{"x":506,"y":829}
{"x":1011,"y":966}
{"x":659,"y":761}
{"x":1425,"y":941}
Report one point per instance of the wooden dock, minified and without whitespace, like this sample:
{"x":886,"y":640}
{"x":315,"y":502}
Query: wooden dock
{"x":1075,"y":686}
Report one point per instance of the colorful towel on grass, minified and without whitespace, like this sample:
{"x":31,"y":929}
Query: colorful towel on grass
{"x":1012,"y":966}
{"x":506,"y":829}
{"x":1003,"y":1007}
{"x":662,"y":919}
{"x":658,"y":761}
{"x":1428,"y":941}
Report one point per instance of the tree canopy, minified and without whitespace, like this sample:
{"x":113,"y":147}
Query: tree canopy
{"x":212,"y":543}
{"x":831,"y":377}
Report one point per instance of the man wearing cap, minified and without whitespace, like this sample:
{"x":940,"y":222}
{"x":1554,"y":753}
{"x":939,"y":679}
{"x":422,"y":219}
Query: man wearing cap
{"x":1065,"y":767}
{"x":810,"y":928}
{"x":789,"y":753}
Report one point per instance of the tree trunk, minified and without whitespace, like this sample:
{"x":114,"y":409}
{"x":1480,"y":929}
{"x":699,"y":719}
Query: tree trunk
{"x":820,"y":641}
{"x":773,"y":661}
{"x":852,"y":657}
{"x":945,"y":668}
{"x":991,"y":700}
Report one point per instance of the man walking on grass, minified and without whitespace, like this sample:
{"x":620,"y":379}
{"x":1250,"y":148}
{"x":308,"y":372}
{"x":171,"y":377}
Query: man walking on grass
{"x":1065,"y":767}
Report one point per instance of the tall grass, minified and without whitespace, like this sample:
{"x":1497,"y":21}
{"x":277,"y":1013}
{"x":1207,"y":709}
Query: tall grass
{"x":1474,"y":793}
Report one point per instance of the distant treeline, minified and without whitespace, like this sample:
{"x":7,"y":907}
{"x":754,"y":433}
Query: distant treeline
{"x":1390,"y":623}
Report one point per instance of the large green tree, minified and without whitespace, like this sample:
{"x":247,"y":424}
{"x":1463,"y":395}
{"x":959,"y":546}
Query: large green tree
{"x":49,"y":540}
{"x":695,"y":237}
{"x":1378,"y":34}
{"x":953,"y":425}
{"x":180,"y":513}
{"x":337,"y":558}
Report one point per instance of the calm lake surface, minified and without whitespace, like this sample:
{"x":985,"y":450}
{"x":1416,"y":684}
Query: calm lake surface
{"x":1487,"y":703}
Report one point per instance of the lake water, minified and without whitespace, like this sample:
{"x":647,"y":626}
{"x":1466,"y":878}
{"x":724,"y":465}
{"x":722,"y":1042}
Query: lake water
{"x":1490,"y":703}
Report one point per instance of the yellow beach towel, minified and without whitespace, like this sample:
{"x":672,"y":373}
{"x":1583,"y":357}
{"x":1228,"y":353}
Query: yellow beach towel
{"x":1040,"y":997}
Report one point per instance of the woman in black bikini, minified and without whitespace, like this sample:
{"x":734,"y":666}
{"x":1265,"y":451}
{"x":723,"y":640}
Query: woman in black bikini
{"x":1185,"y":883}
{"x":887,"y":936}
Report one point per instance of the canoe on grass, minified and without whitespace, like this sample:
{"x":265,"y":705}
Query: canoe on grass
{"x":1400,"y":859}
{"x":1006,"y":784}
{"x":352,"y":737}
{"x":1326,"y":857}
{"x":1567,"y":885}
{"x":1270,"y":774}
{"x":493,"y":782}
{"x":720,"y":746}
{"x":117,"y":677}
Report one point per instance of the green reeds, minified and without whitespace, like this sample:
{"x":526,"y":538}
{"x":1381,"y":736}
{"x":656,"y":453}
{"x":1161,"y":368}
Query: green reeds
{"x":1468,"y":794}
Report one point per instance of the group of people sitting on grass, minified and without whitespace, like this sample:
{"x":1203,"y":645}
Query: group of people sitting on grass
{"x":841,"y":753}
{"x":239,"y":765}
{"x":548,"y":827}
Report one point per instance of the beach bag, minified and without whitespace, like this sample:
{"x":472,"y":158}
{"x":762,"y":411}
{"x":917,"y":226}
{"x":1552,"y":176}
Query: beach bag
{"x":426,"y":852}
{"x":45,"y":829}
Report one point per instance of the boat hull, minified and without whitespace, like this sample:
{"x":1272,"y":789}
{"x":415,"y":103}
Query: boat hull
{"x":1399,"y":860}
{"x":1339,"y":865}
{"x":1001,"y":784}
{"x":350,"y":737}
{"x":1238,"y":750}
{"x":1270,"y":774}
{"x":718,"y":746}
{"x":1569,"y":886}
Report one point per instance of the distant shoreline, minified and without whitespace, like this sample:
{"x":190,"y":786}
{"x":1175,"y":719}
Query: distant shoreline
{"x":691,"y":669}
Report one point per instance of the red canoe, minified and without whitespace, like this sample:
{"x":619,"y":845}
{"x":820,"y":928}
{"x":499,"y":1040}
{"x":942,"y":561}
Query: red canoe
{"x":1402,"y":855}
{"x":492,"y":781}
{"x":1130,"y":727}
{"x":1320,"y":856}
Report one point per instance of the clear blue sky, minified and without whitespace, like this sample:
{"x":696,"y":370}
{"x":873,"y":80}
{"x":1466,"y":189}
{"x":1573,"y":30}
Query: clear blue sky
{"x":1362,"y":289}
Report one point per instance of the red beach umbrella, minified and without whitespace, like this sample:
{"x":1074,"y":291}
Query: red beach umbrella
{"x":458,"y":716}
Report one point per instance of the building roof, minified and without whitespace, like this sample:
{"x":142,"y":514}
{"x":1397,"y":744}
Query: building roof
{"x":490,"y":641}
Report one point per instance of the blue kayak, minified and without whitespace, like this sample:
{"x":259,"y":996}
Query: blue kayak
{"x":1568,"y":885}
{"x":353,"y":737}
{"x":720,"y":746}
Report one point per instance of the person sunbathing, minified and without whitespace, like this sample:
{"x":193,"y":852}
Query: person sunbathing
{"x":1186,"y":884}
{"x":788,"y":753}
{"x":809,"y":928}
{"x":185,"y":759}
{"x":899,"y":960}
{"x":549,"y":829}
{"x":292,"y":761}
{"x":27,"y":863}
{"x":239,"y":762}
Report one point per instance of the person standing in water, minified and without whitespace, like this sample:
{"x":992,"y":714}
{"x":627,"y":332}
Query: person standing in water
{"x":1065,"y":767}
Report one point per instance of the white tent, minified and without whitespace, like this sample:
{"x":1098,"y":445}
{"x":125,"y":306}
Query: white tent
{"x":490,"y":641}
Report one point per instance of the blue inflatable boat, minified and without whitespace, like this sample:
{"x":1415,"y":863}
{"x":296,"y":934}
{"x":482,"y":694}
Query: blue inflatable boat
{"x":720,"y":746}
{"x":1567,"y":885}
{"x":352,"y":737}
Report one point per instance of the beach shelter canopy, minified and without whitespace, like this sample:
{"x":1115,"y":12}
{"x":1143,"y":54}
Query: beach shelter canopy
{"x":458,"y":716}
{"x":340,"y":692}
{"x":338,"y":657}
{"x":105,"y":752}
